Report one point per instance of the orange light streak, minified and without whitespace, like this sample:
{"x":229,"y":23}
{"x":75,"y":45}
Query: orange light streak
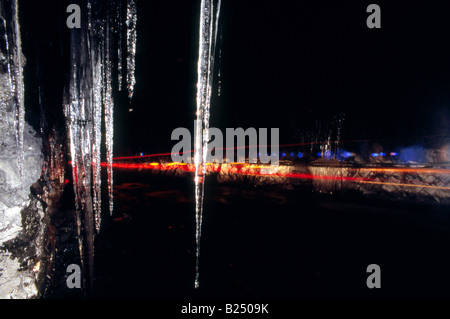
{"x":405,"y":170}
{"x":406,"y":185}
{"x":217,"y":168}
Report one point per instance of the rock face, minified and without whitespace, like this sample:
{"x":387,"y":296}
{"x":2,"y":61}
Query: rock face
{"x":14,"y":189}
{"x":20,"y":214}
{"x":31,"y":176}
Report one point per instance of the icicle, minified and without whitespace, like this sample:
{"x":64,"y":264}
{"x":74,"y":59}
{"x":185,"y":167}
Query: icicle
{"x":88,"y":95}
{"x":7,"y":58}
{"x":82,"y":105}
{"x":109,"y":115}
{"x":219,"y":74}
{"x":208,"y":36}
{"x":340,"y":123}
{"x":96,"y":146}
{"x":131,"y":45}
{"x":109,"y":120}
{"x":18,"y":86}
{"x":119,"y":46}
{"x":79,"y":117}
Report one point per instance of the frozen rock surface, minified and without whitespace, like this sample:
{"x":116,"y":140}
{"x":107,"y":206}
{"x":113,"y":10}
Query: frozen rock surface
{"x":20,"y":214}
{"x":14,"y":189}
{"x":16,"y":230}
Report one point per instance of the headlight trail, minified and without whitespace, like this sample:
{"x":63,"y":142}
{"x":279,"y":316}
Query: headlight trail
{"x":405,"y":170}
{"x":406,"y":185}
{"x":255,"y":170}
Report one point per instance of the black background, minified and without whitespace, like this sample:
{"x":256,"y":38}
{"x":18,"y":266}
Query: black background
{"x":283,"y":65}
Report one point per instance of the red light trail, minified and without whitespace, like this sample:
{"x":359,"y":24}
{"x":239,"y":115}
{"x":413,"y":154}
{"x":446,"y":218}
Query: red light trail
{"x":253,"y":170}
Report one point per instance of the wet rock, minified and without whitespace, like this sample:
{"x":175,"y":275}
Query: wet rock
{"x":20,"y":217}
{"x":14,"y":283}
{"x":15,"y":189}
{"x":21,"y":224}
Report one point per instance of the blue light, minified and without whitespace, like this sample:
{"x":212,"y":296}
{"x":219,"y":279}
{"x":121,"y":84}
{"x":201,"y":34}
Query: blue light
{"x":382,"y":154}
{"x":319,"y":154}
{"x":375,"y":154}
{"x":300,"y":154}
{"x":394,"y":154}
{"x":292,"y":154}
{"x":142,"y":154}
{"x":415,"y":153}
{"x":343,"y":154}
{"x":283,"y":154}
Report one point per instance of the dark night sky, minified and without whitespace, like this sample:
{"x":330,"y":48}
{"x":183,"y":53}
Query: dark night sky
{"x":283,"y":63}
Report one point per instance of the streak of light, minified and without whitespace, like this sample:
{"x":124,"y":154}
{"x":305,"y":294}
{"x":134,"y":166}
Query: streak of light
{"x":339,"y":178}
{"x":153,"y":166}
{"x":405,"y":170}
{"x":177,"y":164}
{"x":406,"y":185}
{"x":303,"y":176}
{"x":217,"y":168}
{"x":191,"y":168}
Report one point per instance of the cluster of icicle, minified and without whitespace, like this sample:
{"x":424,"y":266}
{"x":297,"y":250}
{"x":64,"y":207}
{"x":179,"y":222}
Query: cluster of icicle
{"x":324,"y":134}
{"x":12,"y":63}
{"x":96,"y":55}
{"x":329,"y":134}
{"x":209,"y":18}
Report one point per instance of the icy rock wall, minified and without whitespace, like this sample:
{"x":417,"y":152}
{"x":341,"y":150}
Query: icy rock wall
{"x":14,"y":189}
{"x":20,"y":167}
{"x":14,"y":200}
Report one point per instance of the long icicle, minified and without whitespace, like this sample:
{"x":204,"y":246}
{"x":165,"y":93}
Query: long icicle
{"x":207,"y":44}
{"x":131,"y":45}
{"x":97,"y":132}
{"x":109,"y":113}
{"x":119,"y":46}
{"x":96,"y":59}
{"x":18,"y":87}
{"x":90,"y":93}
